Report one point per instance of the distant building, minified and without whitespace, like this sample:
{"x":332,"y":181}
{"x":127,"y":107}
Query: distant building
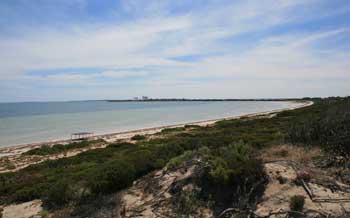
{"x":136,"y":98}
{"x":145,"y":98}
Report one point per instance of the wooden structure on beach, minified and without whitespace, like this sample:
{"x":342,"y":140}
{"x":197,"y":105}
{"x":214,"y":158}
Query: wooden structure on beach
{"x":81,"y":135}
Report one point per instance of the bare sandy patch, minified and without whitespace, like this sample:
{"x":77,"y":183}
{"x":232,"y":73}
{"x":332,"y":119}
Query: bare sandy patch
{"x":29,"y":209}
{"x":291,"y":171}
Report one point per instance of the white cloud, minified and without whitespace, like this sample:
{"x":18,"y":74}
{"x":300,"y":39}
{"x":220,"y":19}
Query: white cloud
{"x":111,"y":46}
{"x":158,"y":35}
{"x":123,"y":74}
{"x":279,"y":57}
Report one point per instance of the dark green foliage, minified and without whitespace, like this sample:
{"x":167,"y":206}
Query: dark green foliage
{"x":58,"y":194}
{"x":231,"y":174}
{"x":186,"y":203}
{"x":170,"y":130}
{"x":59,"y":148}
{"x":111,"y":176}
{"x":227,"y":162}
{"x":191,"y":126}
{"x":95,"y":172}
{"x":328,"y":126}
{"x":26,"y":194}
{"x":177,"y":161}
{"x":297,"y":203}
{"x":138,"y":137}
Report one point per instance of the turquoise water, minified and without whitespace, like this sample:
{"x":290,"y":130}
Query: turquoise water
{"x":22,"y":123}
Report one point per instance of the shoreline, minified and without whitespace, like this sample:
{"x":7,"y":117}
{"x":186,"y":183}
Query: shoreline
{"x":17,"y":149}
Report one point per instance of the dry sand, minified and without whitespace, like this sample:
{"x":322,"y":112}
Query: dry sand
{"x":29,"y":209}
{"x":277,"y":196}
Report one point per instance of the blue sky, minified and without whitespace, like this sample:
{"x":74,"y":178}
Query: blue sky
{"x":116,"y":49}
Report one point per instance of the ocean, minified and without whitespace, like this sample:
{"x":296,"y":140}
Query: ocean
{"x":29,"y":122}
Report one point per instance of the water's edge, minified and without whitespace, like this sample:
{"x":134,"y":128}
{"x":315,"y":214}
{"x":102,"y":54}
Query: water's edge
{"x":152,"y":130}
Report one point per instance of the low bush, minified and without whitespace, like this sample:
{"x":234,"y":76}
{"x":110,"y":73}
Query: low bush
{"x":138,"y":137}
{"x":231,"y":176}
{"x":297,"y":203}
{"x":58,"y":194}
{"x":26,"y":194}
{"x":59,"y":148}
{"x":177,"y":161}
{"x":186,"y":203}
{"x":328,"y":126}
{"x":111,"y":176}
{"x":191,"y":126}
{"x":174,"y":129}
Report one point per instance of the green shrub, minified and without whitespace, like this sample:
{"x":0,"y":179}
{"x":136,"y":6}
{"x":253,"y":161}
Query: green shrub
{"x":138,"y":137}
{"x":177,"y":161}
{"x":26,"y":194}
{"x":191,"y":126}
{"x":174,"y":129}
{"x":231,"y":171}
{"x":186,"y":203}
{"x":297,"y":203}
{"x":59,"y":148}
{"x":328,"y":126}
{"x":227,"y":162}
{"x":112,"y":176}
{"x":58,"y":194}
{"x":143,"y":161}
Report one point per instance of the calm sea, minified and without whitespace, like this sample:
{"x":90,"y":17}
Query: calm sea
{"x":22,"y":123}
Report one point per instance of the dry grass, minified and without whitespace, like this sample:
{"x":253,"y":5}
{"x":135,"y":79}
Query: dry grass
{"x":290,"y":152}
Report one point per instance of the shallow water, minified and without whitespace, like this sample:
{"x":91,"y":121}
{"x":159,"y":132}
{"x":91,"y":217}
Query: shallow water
{"x":22,"y":123}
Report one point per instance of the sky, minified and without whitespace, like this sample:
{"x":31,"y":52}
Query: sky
{"x":57,"y":50}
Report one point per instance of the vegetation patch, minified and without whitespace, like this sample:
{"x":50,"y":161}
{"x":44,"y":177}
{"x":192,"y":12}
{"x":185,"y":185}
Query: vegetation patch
{"x":138,"y":137}
{"x":191,"y":126}
{"x":7,"y":164}
{"x":327,"y":126}
{"x":170,"y":130}
{"x":177,"y":161}
{"x":232,"y":176}
{"x":59,"y":148}
{"x":296,"y":205}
